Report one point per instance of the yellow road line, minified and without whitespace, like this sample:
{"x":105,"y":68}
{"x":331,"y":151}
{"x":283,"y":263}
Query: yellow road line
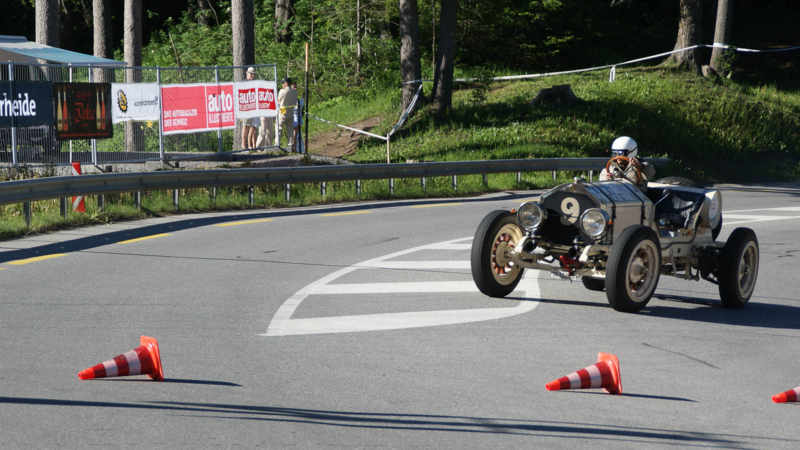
{"x":434,"y":206}
{"x":22,"y":262}
{"x":144,"y":238}
{"x":345,"y":213}
{"x":244,"y":222}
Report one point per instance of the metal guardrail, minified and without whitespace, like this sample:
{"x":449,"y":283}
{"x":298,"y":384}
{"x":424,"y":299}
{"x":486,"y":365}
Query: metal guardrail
{"x":28,"y":191}
{"x":24,"y":191}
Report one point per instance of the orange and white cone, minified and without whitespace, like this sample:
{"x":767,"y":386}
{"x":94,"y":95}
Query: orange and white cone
{"x":604,"y":374}
{"x":143,"y":360}
{"x":787,"y":397}
{"x":78,"y":204}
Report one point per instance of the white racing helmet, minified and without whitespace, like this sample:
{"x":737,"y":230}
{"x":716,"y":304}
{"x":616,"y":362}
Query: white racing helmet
{"x":625,"y":146}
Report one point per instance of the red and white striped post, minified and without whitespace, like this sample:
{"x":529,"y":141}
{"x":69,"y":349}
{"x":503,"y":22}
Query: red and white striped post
{"x":78,"y":204}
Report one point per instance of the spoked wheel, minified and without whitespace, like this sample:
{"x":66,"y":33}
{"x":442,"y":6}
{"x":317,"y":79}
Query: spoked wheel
{"x":494,"y":272}
{"x":633,"y":269}
{"x":738,"y":268}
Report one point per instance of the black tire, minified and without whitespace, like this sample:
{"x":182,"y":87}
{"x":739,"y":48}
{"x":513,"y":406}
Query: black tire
{"x":636,"y":249}
{"x":716,"y":230}
{"x":738,"y":268}
{"x":594,"y":284}
{"x":678,"y":181}
{"x":497,"y":231}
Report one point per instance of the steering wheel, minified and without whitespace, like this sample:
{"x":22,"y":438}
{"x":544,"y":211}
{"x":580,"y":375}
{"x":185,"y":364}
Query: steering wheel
{"x":623,"y":164}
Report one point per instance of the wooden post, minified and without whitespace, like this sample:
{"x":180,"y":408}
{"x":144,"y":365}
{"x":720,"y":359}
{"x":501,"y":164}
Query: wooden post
{"x":308,"y":96}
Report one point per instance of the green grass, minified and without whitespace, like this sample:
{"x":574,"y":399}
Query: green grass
{"x":118,"y":207}
{"x":715,"y":131}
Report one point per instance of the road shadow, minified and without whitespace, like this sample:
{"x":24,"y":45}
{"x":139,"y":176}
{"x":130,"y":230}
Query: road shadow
{"x":628,"y":394}
{"x":112,"y":237}
{"x":425,"y":422}
{"x":166,"y":380}
{"x":754,"y":314}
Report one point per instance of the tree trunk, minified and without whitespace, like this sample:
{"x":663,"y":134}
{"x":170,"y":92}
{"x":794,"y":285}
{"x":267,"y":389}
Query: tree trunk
{"x":47,"y":22}
{"x":410,"y":64}
{"x":722,"y":35}
{"x":202,"y":12}
{"x":243,"y":25}
{"x":690,"y":32}
{"x":134,"y":137}
{"x":103,"y":48}
{"x":283,"y":14}
{"x":47,"y":32}
{"x":445,"y":65}
{"x":358,"y":37}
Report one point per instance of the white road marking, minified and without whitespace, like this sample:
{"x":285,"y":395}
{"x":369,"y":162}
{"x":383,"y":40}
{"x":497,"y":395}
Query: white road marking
{"x":785,"y":208}
{"x":739,"y":218}
{"x":397,"y":288}
{"x":449,"y":246}
{"x":282,"y":323}
{"x":418,"y":265}
{"x":747,"y":218}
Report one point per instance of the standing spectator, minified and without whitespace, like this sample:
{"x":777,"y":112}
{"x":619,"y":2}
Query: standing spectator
{"x":266,"y":132}
{"x":250,"y":126}
{"x":287,"y":100}
{"x":298,"y":123}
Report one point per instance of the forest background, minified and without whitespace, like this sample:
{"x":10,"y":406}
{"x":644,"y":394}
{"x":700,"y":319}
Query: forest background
{"x":356,"y":43}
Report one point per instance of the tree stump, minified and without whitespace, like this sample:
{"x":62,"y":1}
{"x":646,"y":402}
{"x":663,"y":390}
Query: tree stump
{"x":558,"y":95}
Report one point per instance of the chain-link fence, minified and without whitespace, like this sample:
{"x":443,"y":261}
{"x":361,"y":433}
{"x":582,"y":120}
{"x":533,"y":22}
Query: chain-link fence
{"x":132,"y":141}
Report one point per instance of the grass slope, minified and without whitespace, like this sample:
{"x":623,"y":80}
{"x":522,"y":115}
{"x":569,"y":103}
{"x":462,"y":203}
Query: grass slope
{"x":714,"y":130}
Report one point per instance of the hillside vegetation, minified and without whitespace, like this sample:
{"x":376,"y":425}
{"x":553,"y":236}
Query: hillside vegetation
{"x":714,"y":130}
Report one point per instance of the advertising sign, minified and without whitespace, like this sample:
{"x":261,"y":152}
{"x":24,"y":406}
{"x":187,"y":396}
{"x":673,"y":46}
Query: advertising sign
{"x":135,"y":101}
{"x":82,"y":110}
{"x":25,"y":104}
{"x":189,"y":108}
{"x":255,"y":99}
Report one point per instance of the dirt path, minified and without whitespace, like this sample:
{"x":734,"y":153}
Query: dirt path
{"x":339,"y":142}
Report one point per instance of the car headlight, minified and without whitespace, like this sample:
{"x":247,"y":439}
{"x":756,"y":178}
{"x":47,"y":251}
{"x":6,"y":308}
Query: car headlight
{"x":530,"y":215}
{"x":594,"y":222}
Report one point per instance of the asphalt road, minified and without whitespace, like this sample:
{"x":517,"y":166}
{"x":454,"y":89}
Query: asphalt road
{"x":358,"y":326}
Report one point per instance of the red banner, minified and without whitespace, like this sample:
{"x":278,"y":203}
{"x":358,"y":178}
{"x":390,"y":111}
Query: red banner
{"x":189,"y":108}
{"x":255,"y":98}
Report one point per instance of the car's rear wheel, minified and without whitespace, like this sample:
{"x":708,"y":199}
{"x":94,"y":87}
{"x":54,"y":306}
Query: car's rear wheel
{"x":738,"y":268}
{"x":633,"y":269}
{"x":594,"y":284}
{"x":493,"y":271}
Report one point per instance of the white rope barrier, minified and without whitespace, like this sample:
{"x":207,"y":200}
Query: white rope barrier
{"x":612,"y":66}
{"x":408,"y":111}
{"x":396,"y":127}
{"x":384,"y":138}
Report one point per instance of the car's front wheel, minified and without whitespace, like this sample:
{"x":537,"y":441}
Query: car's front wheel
{"x":633,"y":269}
{"x":493,"y":271}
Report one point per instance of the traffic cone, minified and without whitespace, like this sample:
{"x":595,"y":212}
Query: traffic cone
{"x":78,"y":205}
{"x":143,"y":360}
{"x":787,"y":397}
{"x":604,"y":374}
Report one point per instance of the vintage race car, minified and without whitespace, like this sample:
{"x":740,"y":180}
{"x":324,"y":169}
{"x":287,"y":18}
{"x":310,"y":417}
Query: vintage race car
{"x":618,"y":239}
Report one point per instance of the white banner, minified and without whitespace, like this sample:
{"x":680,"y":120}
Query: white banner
{"x":135,"y":101}
{"x":255,"y":98}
